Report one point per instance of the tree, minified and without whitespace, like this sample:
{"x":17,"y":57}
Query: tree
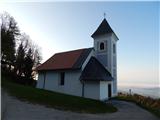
{"x":29,"y":62}
{"x":37,"y":56}
{"x":20,"y":58}
{"x":27,"y":58}
{"x":9,"y":32}
{"x":17,"y":50}
{"x":37,"y":60}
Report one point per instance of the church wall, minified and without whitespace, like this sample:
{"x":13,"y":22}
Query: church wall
{"x":92,"y":90}
{"x":114,"y":63}
{"x":40,"y":80}
{"x":103,"y":56}
{"x":51,"y":81}
{"x":103,"y":90}
{"x":72,"y":84}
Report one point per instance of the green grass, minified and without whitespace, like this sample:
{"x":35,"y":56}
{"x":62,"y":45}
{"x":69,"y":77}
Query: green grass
{"x":150,"y":104}
{"x":55,"y":100}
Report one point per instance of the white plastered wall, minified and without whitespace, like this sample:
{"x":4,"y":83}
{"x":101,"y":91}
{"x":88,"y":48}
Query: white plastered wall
{"x":72,"y":84}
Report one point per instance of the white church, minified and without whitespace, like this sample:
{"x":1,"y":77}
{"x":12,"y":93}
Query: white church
{"x":89,"y":72}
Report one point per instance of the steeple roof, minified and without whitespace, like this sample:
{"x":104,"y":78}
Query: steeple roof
{"x":103,"y":28}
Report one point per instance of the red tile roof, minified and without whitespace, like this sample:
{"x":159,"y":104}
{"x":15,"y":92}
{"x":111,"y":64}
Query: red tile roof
{"x":64,"y":60}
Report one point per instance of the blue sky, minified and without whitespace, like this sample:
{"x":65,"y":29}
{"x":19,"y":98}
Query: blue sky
{"x":62,"y":26}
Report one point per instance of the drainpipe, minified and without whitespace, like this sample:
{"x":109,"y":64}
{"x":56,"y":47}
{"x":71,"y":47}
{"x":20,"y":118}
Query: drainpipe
{"x":82,"y":88}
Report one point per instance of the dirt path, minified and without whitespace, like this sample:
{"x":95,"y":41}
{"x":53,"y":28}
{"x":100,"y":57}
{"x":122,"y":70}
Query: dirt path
{"x":18,"y":110}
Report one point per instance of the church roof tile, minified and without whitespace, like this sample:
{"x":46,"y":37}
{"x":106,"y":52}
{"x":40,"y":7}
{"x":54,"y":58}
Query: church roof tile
{"x":66,"y":60}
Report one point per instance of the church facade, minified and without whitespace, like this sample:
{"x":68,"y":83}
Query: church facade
{"x":89,"y":72}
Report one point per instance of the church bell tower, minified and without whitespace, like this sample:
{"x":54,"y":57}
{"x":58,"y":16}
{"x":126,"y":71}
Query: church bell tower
{"x":105,"y":46}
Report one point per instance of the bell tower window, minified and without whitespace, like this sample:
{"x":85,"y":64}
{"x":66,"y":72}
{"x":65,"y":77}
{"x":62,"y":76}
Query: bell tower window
{"x":101,"y":46}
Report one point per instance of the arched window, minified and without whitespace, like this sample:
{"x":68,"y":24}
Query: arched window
{"x":102,"y":46}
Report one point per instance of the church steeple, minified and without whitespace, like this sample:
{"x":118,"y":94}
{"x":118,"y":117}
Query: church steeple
{"x":103,"y":28}
{"x":105,"y":49}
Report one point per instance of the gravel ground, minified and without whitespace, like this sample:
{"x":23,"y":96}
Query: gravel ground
{"x":14,"y":109}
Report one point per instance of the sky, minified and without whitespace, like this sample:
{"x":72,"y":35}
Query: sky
{"x":64,"y":26}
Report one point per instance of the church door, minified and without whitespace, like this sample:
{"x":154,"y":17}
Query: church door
{"x":109,"y":91}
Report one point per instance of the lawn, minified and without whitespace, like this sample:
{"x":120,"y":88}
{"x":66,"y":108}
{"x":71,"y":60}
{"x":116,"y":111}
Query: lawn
{"x":148,"y":103}
{"x":55,"y":100}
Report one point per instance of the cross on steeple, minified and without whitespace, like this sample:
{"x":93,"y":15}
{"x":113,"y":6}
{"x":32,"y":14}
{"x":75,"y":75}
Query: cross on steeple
{"x":104,"y":15}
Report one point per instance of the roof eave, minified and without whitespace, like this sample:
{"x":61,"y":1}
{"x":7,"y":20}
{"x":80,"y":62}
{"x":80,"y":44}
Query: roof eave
{"x":59,"y":69}
{"x":116,"y":36}
{"x":95,"y":79}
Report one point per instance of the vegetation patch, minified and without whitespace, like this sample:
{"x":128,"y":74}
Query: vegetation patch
{"x":55,"y":100}
{"x":148,"y":103}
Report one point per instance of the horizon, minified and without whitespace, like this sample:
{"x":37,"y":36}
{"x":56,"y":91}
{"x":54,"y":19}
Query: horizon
{"x":143,"y":87}
{"x":64,"y":26}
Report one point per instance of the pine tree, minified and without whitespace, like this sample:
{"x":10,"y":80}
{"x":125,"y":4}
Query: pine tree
{"x":20,"y":58}
{"x":29,"y":62}
{"x":9,"y":32}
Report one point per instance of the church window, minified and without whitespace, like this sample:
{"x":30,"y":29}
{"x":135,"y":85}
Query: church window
{"x":102,"y":46}
{"x":114,"y":48}
{"x":62,"y":77}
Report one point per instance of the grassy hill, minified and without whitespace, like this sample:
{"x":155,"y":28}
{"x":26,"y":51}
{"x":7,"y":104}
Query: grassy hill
{"x":148,"y":103}
{"x":55,"y":100}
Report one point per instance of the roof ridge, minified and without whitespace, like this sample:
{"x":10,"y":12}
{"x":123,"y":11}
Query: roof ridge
{"x":71,"y":50}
